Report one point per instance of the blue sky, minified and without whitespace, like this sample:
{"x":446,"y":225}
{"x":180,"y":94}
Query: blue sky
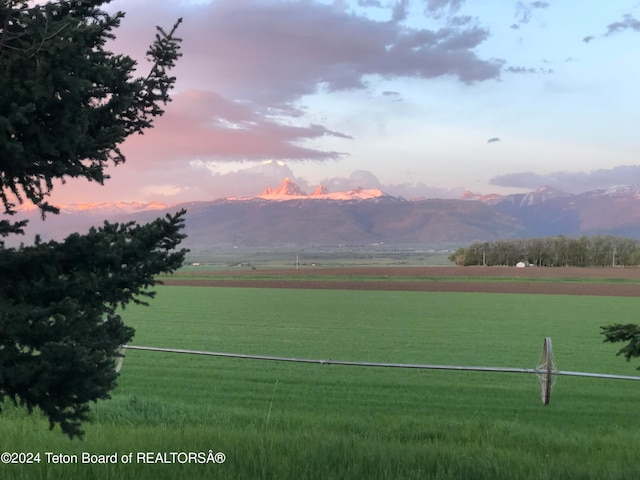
{"x":418,"y":97}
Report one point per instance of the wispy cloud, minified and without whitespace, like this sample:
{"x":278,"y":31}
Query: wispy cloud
{"x":628,"y":22}
{"x":207,"y":126}
{"x":442,"y":7}
{"x":528,"y":70}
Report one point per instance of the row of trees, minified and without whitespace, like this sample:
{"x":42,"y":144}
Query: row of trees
{"x":561,"y":251}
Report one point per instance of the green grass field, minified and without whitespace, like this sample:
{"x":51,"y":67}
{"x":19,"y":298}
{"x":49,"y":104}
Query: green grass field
{"x":277,"y":420}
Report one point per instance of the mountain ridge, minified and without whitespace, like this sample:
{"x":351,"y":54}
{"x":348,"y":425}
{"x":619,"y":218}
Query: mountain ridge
{"x":288,"y":216}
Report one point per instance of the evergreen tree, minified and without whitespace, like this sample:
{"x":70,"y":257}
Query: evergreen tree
{"x":629,"y":333}
{"x":66,"y":104}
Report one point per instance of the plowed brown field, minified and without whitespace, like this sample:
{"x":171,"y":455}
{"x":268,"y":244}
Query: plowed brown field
{"x":560,"y":281}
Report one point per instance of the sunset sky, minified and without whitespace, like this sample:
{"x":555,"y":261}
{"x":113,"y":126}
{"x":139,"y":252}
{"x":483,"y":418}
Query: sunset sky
{"x":417,"y":97}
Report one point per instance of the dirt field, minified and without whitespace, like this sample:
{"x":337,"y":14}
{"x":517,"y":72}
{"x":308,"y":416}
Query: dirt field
{"x":560,"y":281}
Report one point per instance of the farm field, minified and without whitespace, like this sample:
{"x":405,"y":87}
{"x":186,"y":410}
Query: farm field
{"x":568,"y":281}
{"x":276,"y":420}
{"x":335,"y":256}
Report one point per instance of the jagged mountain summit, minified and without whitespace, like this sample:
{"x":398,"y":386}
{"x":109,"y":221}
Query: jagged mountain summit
{"x":289,"y":190}
{"x":320,"y":190}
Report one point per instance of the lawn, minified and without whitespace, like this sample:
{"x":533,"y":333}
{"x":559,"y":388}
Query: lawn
{"x":276,"y":420}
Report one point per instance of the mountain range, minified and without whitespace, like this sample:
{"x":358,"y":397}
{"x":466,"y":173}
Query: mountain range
{"x":286,"y":216}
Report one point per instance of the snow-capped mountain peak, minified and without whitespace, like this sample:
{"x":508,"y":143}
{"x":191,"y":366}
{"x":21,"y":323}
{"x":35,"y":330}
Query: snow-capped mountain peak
{"x":289,"y":190}
{"x":541,"y":195}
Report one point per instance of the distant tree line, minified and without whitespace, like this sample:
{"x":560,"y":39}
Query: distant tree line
{"x":561,"y":251}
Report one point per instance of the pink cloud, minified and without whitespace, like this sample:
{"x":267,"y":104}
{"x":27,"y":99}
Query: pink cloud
{"x":206,"y":126}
